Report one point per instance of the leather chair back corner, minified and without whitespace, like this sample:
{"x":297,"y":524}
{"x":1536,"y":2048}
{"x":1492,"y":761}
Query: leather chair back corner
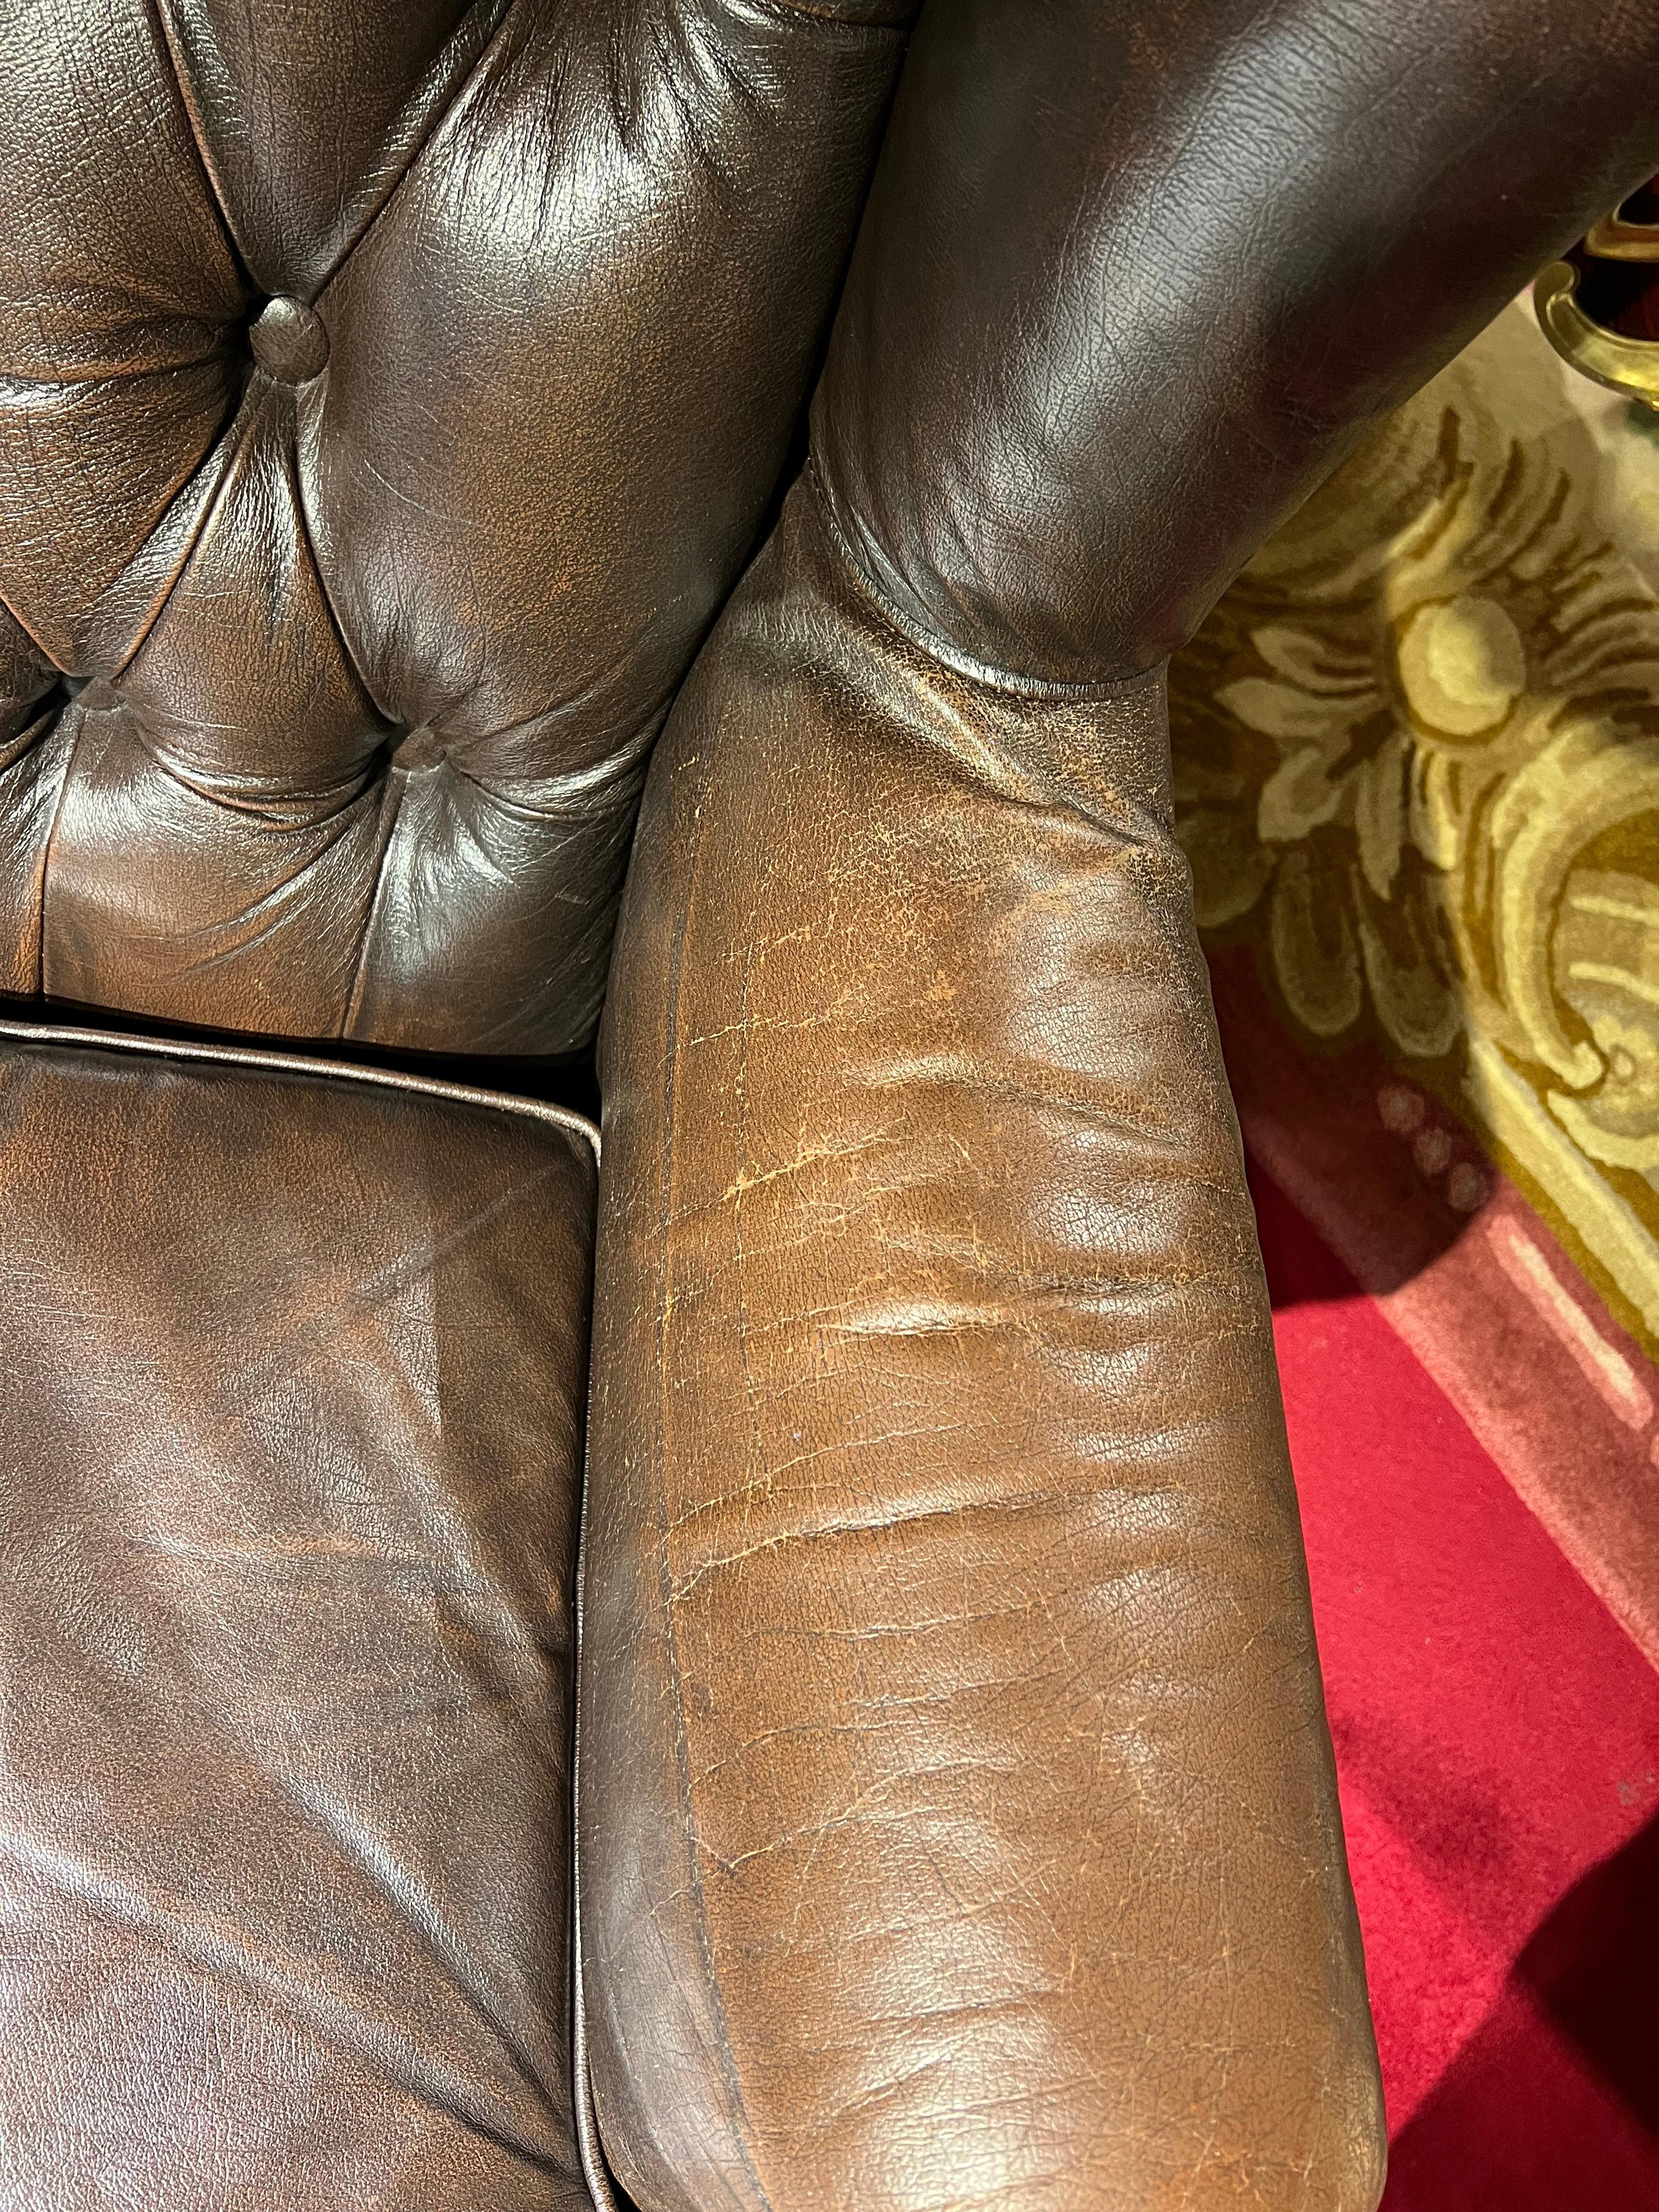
{"x":383,"y":415}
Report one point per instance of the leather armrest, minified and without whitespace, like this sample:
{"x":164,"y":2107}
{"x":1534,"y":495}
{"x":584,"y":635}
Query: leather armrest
{"x":958,"y":1820}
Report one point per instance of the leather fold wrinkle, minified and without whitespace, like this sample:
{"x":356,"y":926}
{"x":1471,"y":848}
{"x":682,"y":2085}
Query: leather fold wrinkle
{"x":549,"y":854}
{"x":957,"y":1822}
{"x":692,"y":126}
{"x":306,"y":135}
{"x":222,"y":811}
{"x":26,"y":678}
{"x":428,"y":381}
{"x":286,"y":1632}
{"x":119,"y":297}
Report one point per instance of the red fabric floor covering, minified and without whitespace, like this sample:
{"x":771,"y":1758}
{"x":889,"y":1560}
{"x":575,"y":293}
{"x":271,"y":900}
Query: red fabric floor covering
{"x":1498,"y":1735}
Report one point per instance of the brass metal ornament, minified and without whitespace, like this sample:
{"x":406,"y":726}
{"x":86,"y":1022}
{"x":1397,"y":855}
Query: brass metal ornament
{"x":1579,"y":300}
{"x":1614,"y":238}
{"x":1623,"y":364}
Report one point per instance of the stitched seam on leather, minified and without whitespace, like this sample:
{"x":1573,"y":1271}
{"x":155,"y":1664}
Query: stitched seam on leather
{"x":1030,"y":689}
{"x":728,"y":2054}
{"x":295,"y":1063}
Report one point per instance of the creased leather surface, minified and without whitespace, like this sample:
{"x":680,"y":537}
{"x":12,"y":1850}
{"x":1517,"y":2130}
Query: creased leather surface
{"x":957,"y":1827}
{"x":370,"y":630}
{"x":289,"y":1449}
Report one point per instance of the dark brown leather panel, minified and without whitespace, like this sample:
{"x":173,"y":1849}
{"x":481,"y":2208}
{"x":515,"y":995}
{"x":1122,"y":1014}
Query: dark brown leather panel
{"x":289,"y":1454}
{"x":385,"y":583}
{"x":958,"y":1826}
{"x":1147,"y":268}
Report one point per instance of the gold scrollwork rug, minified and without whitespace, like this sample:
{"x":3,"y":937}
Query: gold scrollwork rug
{"x":1417,"y":777}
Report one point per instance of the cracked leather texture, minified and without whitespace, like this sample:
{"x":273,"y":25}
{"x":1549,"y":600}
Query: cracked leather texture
{"x":345,"y":648}
{"x":959,"y":1824}
{"x":957,"y":1821}
{"x":290,"y":1447}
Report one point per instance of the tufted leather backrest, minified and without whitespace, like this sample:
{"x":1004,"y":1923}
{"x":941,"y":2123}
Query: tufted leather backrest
{"x":390,"y":391}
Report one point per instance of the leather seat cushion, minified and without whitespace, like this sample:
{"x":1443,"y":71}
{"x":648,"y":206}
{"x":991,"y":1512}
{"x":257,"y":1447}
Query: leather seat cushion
{"x":290,"y":1453}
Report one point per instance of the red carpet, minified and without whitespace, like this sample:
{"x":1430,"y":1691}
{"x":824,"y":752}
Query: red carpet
{"x":1498,"y":1733}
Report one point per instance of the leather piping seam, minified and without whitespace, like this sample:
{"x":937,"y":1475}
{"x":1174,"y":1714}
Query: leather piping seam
{"x":980,"y":672}
{"x":590,"y":2148}
{"x":295,"y":1063}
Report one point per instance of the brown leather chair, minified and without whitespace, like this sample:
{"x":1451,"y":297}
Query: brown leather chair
{"x":393,"y":393}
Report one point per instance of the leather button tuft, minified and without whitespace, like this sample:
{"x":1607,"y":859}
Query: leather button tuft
{"x":288,"y":341}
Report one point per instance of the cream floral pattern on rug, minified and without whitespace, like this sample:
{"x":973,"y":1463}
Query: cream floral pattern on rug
{"x":1417,"y":761}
